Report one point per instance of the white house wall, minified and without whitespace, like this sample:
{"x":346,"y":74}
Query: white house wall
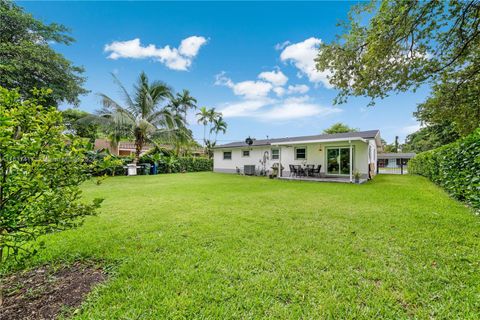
{"x":316,"y":155}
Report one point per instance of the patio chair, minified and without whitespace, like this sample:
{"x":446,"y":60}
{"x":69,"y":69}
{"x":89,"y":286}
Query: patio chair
{"x":298,"y":170}
{"x":316,"y":172}
{"x":292,"y":170}
{"x":309,"y":169}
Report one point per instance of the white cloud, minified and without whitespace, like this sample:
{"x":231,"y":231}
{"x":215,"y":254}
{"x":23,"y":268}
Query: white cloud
{"x":190,"y":46}
{"x":298,"y":88}
{"x":280,"y":46}
{"x":411,"y":128}
{"x":302,"y":56}
{"x":277,"y":78}
{"x":244,"y":108}
{"x":248,"y":89}
{"x":173,"y":58}
{"x":280,"y":91}
{"x":277,"y":110}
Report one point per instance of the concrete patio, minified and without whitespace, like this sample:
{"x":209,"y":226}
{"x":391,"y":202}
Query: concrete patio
{"x":320,"y":179}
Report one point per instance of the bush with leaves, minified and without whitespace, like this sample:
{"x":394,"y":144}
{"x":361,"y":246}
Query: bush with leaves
{"x":41,"y":170}
{"x":455,"y":167}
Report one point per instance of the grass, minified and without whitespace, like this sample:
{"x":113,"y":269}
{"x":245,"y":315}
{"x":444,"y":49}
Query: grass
{"x":207,"y":245}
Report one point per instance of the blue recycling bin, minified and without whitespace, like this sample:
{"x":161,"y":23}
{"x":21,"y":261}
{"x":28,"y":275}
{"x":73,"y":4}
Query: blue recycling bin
{"x":154,"y":168}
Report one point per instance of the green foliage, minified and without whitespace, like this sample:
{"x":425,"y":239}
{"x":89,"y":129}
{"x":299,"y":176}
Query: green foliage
{"x":73,"y":121}
{"x":142,"y":117}
{"x":398,"y":46}
{"x":27,"y":61}
{"x":430,"y":137}
{"x":455,"y":167}
{"x":169,"y":163}
{"x":40,"y":173}
{"x":339,"y":128}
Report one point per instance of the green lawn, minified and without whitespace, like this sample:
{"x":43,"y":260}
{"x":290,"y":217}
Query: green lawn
{"x":207,"y":245}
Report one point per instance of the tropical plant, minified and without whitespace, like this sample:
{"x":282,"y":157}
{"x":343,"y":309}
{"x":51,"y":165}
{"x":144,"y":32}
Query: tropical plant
{"x":40,"y":173}
{"x":73,"y":121}
{"x":219,"y":125}
{"x":142,"y":118}
{"x":182,"y":102}
{"x":28,"y":61}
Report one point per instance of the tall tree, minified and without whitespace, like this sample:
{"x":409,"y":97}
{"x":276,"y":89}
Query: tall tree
{"x":203,"y":117}
{"x":73,"y":121}
{"x":27,"y":60}
{"x":430,"y":137}
{"x":185,"y":102}
{"x":142,"y":117}
{"x":339,"y":128}
{"x":219,"y":125}
{"x":398,"y":46}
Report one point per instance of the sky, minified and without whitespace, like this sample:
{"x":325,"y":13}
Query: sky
{"x":251,"y":61}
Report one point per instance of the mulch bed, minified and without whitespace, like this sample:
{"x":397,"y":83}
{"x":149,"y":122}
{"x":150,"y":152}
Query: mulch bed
{"x":45,"y":293}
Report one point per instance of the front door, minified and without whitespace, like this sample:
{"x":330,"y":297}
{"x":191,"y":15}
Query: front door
{"x":338,"y":160}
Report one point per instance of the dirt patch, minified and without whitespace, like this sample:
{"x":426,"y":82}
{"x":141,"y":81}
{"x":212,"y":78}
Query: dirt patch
{"x":45,"y":293}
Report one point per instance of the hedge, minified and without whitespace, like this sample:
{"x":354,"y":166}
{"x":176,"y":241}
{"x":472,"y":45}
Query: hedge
{"x":173,"y":164}
{"x":455,"y":167}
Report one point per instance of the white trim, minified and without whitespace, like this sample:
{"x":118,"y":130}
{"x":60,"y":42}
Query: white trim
{"x":319,"y":141}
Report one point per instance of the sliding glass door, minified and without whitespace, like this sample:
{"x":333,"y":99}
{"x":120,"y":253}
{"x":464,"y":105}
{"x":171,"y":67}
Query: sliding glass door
{"x":338,"y":160}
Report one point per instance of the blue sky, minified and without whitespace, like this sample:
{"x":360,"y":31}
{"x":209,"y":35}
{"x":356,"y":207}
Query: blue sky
{"x":250,"y":60}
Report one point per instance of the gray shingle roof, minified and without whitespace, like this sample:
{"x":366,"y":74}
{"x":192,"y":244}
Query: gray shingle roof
{"x":370,"y":134}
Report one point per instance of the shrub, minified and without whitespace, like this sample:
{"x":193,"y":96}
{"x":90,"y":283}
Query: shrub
{"x":455,"y":167}
{"x":172,"y":164}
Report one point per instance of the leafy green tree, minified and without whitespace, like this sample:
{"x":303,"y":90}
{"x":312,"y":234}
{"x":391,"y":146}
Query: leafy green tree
{"x":41,"y":170}
{"x":339,"y":128}
{"x":430,"y":137}
{"x":398,"y":46}
{"x":142,"y":117}
{"x":73,"y":120}
{"x":27,"y":60}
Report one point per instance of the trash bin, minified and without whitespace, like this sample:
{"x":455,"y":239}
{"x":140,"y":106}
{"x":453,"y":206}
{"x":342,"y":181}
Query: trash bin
{"x":154,"y":169}
{"x":132,"y":169}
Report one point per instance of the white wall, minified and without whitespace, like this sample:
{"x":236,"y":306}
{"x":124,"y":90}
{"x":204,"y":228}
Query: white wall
{"x":316,"y":155}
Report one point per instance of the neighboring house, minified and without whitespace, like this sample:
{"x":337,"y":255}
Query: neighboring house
{"x":393,"y":161}
{"x":339,"y":155}
{"x":124,"y":148}
{"x":127,"y":148}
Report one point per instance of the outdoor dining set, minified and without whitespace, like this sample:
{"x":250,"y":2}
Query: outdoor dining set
{"x":308,"y":170}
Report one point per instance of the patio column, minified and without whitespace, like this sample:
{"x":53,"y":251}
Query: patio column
{"x":351,"y":162}
{"x":279,"y":161}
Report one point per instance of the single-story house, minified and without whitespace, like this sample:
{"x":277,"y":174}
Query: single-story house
{"x":393,"y":160}
{"x":339,"y":155}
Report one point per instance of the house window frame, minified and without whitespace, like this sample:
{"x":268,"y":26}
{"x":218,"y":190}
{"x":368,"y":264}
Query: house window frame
{"x":243,"y":154}
{"x":278,"y":154}
{"x":295,"y":153}
{"x":231,"y":155}
{"x":339,"y":147}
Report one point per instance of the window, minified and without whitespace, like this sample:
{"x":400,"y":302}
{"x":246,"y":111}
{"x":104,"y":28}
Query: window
{"x":246,"y":153}
{"x":300,"y":153}
{"x":227,"y":155}
{"x":275,"y":154}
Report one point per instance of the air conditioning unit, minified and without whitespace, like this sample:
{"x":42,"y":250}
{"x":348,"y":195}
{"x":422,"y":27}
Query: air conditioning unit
{"x":249,"y":170}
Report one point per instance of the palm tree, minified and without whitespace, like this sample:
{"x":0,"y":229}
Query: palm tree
{"x":219,"y":125}
{"x":185,"y":102}
{"x":142,"y":117}
{"x":204,"y":118}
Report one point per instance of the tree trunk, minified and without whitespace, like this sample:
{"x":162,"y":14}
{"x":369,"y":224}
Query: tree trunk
{"x":139,"y":142}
